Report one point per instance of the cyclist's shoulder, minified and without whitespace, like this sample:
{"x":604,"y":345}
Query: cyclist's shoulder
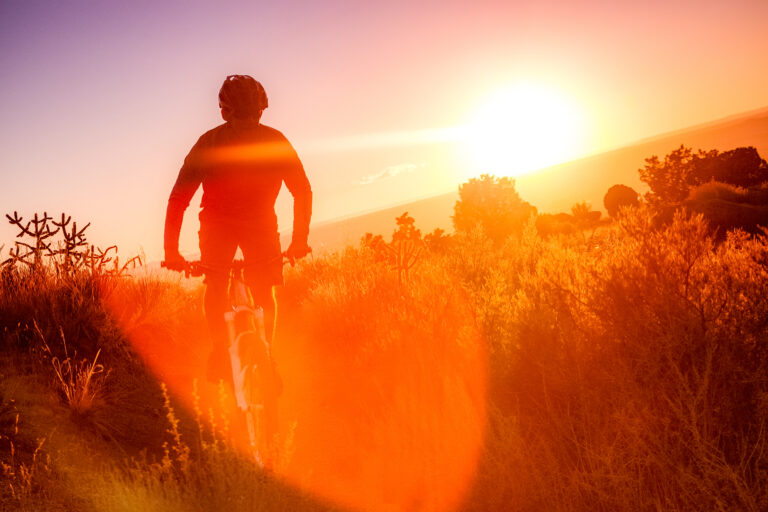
{"x":212,"y":136}
{"x":230,"y":133}
{"x":272,"y":133}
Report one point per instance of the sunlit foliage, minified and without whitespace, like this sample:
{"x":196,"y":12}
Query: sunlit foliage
{"x":633,"y":374}
{"x":492,"y":204}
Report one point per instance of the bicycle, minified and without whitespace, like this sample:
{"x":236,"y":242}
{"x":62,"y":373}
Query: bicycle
{"x":255,"y":382}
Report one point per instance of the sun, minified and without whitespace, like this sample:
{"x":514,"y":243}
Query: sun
{"x":522,"y":128}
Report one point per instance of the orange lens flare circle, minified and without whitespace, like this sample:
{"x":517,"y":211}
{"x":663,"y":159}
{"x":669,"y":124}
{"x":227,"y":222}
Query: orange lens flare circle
{"x":390,"y":411}
{"x":380,"y":410}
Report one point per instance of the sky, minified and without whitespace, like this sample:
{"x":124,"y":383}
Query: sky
{"x":100,"y":101}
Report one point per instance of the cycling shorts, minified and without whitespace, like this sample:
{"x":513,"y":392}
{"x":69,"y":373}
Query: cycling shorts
{"x":261,"y":253}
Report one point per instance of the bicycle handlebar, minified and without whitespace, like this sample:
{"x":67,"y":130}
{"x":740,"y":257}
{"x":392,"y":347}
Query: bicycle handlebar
{"x":197,"y":268}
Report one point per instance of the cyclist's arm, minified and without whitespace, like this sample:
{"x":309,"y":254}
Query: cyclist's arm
{"x":185,"y":187}
{"x":298,"y":185}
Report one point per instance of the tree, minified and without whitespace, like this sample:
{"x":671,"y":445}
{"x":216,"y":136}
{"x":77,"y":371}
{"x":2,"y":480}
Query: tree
{"x":742,"y":167}
{"x":671,"y":181}
{"x":437,"y":240}
{"x":583,"y":215}
{"x":406,"y":229}
{"x":494,"y":205}
{"x":403,"y":252}
{"x":619,"y":196}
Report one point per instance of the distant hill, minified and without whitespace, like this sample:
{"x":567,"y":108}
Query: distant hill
{"x":430,"y":213}
{"x":555,"y":189}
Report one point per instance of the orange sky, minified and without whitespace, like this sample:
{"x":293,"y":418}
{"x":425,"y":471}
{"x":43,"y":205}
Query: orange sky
{"x":102,"y":100}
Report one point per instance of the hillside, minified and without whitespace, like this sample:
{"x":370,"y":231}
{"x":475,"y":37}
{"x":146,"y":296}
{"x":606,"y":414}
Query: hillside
{"x":430,"y":213}
{"x":555,"y":189}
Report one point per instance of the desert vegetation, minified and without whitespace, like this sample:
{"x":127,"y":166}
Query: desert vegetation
{"x":617,"y":365}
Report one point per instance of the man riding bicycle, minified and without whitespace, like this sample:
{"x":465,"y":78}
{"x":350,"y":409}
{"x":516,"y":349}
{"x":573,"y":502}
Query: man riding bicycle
{"x":241,"y":165}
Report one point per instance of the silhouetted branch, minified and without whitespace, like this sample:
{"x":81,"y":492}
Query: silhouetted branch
{"x":72,"y":253}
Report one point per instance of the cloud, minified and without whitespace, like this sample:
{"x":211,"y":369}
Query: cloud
{"x":390,"y":172}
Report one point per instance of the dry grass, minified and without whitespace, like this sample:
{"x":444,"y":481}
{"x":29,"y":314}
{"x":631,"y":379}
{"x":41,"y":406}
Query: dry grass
{"x":81,"y":382}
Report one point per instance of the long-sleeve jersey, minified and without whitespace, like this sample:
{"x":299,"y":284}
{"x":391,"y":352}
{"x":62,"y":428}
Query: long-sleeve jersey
{"x":241,"y":167}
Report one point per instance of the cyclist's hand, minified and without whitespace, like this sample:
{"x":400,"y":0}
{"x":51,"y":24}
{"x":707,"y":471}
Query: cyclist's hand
{"x":175,"y":261}
{"x":297,"y":250}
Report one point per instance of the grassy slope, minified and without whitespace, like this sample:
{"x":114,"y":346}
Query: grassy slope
{"x":117,"y":451}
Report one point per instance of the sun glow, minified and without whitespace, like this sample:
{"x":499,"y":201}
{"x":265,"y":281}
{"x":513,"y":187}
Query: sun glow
{"x":523,"y":128}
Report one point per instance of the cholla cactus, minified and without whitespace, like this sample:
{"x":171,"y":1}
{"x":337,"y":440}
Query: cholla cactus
{"x":72,"y":252}
{"x":403,"y":252}
{"x":38,"y":229}
{"x":406,"y":254}
{"x":406,"y":247}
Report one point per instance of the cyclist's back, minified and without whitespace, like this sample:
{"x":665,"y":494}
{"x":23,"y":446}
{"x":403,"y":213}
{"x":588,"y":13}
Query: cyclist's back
{"x":241,"y":166}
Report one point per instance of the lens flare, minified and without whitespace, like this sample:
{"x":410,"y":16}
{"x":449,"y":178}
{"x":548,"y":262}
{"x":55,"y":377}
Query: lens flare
{"x":383,"y":407}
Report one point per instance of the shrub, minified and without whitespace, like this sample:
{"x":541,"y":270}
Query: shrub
{"x":741,"y":167}
{"x":727,"y":215}
{"x":619,"y":196}
{"x":584,"y":216}
{"x":670,"y":181}
{"x":552,"y":224}
{"x":717,"y":190}
{"x":493,"y":205}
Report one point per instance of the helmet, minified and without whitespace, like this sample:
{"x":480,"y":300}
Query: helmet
{"x":243,"y":95}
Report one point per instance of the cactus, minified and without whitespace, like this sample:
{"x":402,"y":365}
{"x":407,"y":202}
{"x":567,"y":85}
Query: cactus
{"x":37,"y":228}
{"x":405,"y":254}
{"x":70,"y":254}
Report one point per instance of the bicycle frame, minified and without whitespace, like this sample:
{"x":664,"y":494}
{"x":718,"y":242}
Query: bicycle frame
{"x":251,"y":359}
{"x":251,"y":362}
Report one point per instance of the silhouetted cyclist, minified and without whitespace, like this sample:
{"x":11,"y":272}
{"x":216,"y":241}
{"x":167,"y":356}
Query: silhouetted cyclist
{"x":241,"y":165}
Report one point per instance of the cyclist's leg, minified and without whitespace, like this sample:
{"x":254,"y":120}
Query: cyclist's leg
{"x":264,"y":297}
{"x":264,"y":270}
{"x":217,"y":249}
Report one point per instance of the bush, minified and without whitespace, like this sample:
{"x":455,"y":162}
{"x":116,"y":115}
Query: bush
{"x":727,"y":207}
{"x":618,"y":197}
{"x":717,"y":190}
{"x":741,"y":167}
{"x":493,"y":205}
{"x":670,"y":181}
{"x":548,"y":224}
